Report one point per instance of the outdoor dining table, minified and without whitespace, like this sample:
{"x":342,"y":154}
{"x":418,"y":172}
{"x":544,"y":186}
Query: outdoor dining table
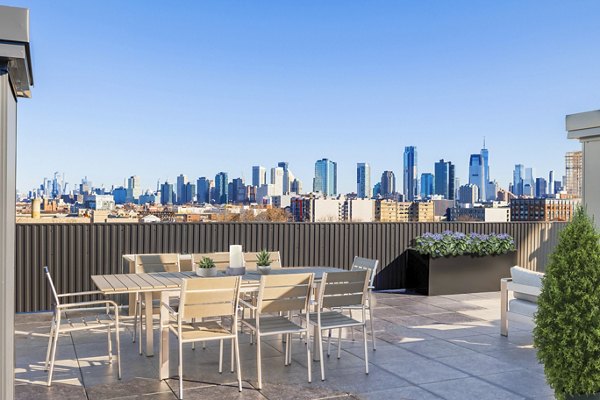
{"x":148,"y":283}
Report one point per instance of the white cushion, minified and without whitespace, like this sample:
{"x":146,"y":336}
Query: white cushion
{"x":522,"y":307}
{"x":526,"y":277}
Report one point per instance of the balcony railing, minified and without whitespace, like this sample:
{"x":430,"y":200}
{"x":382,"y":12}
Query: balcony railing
{"x":74,"y":252}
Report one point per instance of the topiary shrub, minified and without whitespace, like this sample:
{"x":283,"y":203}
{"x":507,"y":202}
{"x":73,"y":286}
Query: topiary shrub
{"x":567,"y":323}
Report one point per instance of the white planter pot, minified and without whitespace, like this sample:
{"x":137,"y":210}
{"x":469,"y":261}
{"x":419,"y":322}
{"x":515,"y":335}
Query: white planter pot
{"x":206,"y":272}
{"x":263,"y":269}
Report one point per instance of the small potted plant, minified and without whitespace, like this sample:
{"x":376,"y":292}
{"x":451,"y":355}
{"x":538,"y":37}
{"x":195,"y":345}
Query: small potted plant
{"x":567,"y":322}
{"x":263,"y":262}
{"x":206,"y":267}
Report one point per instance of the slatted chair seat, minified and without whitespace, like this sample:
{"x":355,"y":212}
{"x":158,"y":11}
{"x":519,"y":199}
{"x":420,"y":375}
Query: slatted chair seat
{"x":86,"y":323}
{"x":201,"y":330}
{"x":275,"y":325}
{"x":334,"y":319}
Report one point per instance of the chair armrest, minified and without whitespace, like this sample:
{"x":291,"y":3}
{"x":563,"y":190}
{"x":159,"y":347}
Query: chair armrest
{"x":90,"y":293}
{"x":246,"y":304}
{"x":169,"y":309}
{"x":525,"y":289}
{"x":90,"y":303}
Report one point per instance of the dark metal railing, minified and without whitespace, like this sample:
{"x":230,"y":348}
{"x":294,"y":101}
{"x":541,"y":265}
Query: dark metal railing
{"x":74,"y":252}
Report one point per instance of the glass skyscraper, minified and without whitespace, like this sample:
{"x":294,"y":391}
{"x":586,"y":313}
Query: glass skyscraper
{"x":476,"y":175}
{"x":426,"y":185}
{"x":259,"y":175}
{"x":388,"y":184}
{"x":444,"y":179}
{"x":411,"y":183}
{"x":221,"y":187}
{"x":203,"y":190}
{"x":518,"y":177}
{"x":325,"y":180}
{"x":166,"y":194}
{"x":363,"y":181}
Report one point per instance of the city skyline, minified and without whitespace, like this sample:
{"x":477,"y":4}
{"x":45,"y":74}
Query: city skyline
{"x":310,"y":93}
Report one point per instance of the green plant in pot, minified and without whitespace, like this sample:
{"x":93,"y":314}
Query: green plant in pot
{"x":567,"y":331}
{"x":263,"y":262}
{"x":206,"y":267}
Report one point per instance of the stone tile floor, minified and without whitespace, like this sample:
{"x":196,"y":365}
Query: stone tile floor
{"x":444,"y":347}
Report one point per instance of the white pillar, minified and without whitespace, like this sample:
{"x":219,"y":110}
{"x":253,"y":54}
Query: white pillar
{"x":585,"y":127}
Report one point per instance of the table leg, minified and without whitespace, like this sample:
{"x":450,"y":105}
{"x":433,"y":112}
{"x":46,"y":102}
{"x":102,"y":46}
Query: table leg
{"x":315,"y":346}
{"x":164,"y":340}
{"x":149,"y":323}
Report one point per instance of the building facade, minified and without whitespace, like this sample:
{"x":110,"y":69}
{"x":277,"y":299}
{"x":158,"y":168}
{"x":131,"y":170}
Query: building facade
{"x":574,"y":173}
{"x":477,"y":175}
{"x":363,"y":181}
{"x":542,"y":209}
{"x":325,"y":180}
{"x":410,"y":173}
{"x":444,"y":179}
{"x":399,"y":211}
{"x":259,"y":175}
{"x":427,"y":186}
{"x":221,"y":188}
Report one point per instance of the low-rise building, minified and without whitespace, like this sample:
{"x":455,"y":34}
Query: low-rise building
{"x":486,"y":214}
{"x":400,"y":211}
{"x":542,"y":209}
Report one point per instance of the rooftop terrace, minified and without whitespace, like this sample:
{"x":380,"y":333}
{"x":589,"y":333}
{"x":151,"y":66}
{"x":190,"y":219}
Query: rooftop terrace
{"x":443,"y":347}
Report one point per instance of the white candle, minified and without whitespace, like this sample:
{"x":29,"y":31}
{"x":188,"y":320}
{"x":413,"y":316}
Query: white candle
{"x":236,"y":257}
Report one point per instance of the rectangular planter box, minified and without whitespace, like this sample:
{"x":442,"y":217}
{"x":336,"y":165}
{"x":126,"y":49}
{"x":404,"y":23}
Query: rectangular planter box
{"x":457,"y":275}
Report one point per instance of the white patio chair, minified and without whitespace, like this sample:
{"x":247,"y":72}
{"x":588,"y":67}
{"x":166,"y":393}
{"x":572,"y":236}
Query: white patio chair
{"x":340,"y":290}
{"x":280,"y":294}
{"x":202,"y":298}
{"x":148,"y":263}
{"x":360,"y":264}
{"x":62,"y":324}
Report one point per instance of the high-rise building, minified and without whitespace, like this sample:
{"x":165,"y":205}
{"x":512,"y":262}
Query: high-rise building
{"x":286,"y":176}
{"x":377,"y":190}
{"x":477,"y":175}
{"x":363,"y":181}
{"x":492,"y":189}
{"x":134,"y":189}
{"x":551,"y":183}
{"x":277,"y":180}
{"x":237,"y":194}
{"x":387,"y":187}
{"x":203,"y":190}
{"x":574,"y":172}
{"x":182,"y":180}
{"x":468,"y":194}
{"x":540,"y":188}
{"x":166,"y":194}
{"x":296,"y":186}
{"x":325,"y":180}
{"x":485,"y":156}
{"x":444,"y":180}
{"x":190,"y":193}
{"x":426,"y":185}
{"x":518,"y":178}
{"x":259,"y":175}
{"x":411,"y":183}
{"x":221,"y":187}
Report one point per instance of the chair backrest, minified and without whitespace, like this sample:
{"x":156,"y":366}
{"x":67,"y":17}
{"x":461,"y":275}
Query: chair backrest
{"x":360,"y":264}
{"x":281,"y":293}
{"x":343,"y":289}
{"x":147,"y":263}
{"x":209,"y":297}
{"x":221,"y":259}
{"x":52,"y":287}
{"x":251,"y":259}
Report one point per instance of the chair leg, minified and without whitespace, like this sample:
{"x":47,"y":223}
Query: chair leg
{"x":320,"y":340}
{"x":140,"y":326}
{"x":235,"y":343}
{"x":232,"y":354}
{"x":308,"y":355}
{"x":135,"y":316}
{"x":290,"y":349}
{"x":258,"y":362}
{"x":329,"y":343}
{"x":372,"y":327}
{"x":339,"y":349}
{"x":180,"y":370}
{"x":50,"y":339}
{"x":352,"y":330}
{"x":118,"y":335}
{"x":221,"y":356}
{"x":193,"y":343}
{"x":366,"y":351}
{"x":108,"y":330}
{"x":53,"y":355}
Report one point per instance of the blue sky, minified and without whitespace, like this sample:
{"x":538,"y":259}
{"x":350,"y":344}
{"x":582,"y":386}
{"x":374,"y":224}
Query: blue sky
{"x":158,"y":89}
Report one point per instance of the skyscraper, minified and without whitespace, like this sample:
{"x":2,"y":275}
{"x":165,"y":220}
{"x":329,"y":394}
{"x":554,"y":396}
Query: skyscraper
{"x":190,"y":192}
{"x":277,"y":180}
{"x":426,"y":185}
{"x":363,"y":181}
{"x":486,"y":166}
{"x":325,"y":180}
{"x":221,"y":186}
{"x":540,"y":188}
{"x":286,"y":176}
{"x":166,"y":194}
{"x":551,"y":182}
{"x":134,"y":189}
{"x":259,"y":175}
{"x":469,"y":194}
{"x":444,"y":179}
{"x":182,"y":180}
{"x":411,"y":184}
{"x":529,"y":183}
{"x":388,"y":184}
{"x":574,"y":172}
{"x":518,"y":176}
{"x":203,"y":190}
{"x":476,"y":175}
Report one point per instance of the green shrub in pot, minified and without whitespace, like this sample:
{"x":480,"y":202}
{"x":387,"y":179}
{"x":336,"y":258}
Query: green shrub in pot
{"x":263,"y":262}
{"x":567,"y":331}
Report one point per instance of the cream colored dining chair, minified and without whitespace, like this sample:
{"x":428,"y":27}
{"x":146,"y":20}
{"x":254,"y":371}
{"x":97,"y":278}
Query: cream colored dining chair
{"x":149,"y":263}
{"x":340,"y":290}
{"x":370,"y":265}
{"x":65,"y":324}
{"x":201,"y":299}
{"x":279,"y":295}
